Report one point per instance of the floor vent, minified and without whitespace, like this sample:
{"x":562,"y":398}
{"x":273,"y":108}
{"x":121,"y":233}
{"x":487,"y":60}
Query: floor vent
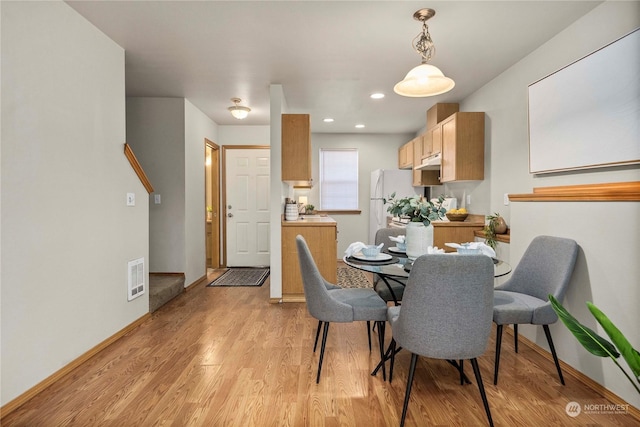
{"x":136,"y":278}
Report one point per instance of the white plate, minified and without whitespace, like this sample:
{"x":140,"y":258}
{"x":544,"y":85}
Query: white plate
{"x":379,"y":257}
{"x":396,"y":250}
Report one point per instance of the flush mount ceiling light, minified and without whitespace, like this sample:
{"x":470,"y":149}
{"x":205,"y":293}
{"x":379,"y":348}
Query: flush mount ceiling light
{"x":237,"y":111}
{"x":425,"y":79}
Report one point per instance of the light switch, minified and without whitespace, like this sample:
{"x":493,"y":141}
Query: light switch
{"x":157,"y":199}
{"x":468,"y":199}
{"x":131,"y":199}
{"x":506,"y":199}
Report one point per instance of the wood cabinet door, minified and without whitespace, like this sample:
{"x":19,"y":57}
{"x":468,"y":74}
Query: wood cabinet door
{"x":296,"y":147}
{"x":322,"y":242}
{"x":436,"y":140}
{"x":449,"y":152}
{"x":427,"y":145}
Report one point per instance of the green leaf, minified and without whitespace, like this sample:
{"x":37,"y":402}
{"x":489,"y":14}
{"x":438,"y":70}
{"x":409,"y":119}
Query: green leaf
{"x":589,"y":339}
{"x":629,"y":353}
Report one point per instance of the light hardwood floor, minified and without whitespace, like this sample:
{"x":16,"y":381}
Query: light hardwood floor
{"x":226,"y":357}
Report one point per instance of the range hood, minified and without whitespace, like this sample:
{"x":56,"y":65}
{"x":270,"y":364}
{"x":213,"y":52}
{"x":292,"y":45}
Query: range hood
{"x":431,"y":163}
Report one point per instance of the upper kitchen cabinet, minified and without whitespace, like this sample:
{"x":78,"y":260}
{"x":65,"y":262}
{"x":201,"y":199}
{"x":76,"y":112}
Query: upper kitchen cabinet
{"x":432,"y":143}
{"x":296,"y":149}
{"x":462,"y":147}
{"x":405,"y":155}
{"x":423,"y":178}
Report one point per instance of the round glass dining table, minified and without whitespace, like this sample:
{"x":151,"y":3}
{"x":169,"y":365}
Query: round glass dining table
{"x":399,"y":266}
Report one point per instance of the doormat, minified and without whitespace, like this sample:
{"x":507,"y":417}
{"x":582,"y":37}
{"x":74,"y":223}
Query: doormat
{"x":242,"y":276}
{"x":349,"y":277}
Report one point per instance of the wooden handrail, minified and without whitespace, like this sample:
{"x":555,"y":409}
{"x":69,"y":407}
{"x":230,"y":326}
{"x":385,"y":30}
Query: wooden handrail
{"x":137,"y":168}
{"x":609,"y":192}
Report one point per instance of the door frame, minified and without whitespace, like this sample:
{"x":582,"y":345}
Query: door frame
{"x":224,"y":190}
{"x":214,"y":186}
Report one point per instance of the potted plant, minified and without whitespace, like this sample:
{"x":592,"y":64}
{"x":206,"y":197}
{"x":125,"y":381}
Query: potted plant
{"x":496,"y":225}
{"x":309,"y":209}
{"x":420,"y":212}
{"x":416,"y":208}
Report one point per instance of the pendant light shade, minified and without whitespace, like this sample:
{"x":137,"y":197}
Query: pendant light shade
{"x":424,"y":80}
{"x":238,"y":111}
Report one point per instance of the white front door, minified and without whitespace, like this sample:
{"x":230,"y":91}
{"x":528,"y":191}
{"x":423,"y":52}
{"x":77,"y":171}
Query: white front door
{"x":247,"y":179}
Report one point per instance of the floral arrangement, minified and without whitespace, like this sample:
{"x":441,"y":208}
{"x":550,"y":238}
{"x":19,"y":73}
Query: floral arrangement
{"x":417,"y":208}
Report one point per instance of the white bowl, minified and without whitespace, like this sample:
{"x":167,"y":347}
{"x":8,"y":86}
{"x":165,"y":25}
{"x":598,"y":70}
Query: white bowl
{"x":370,"y":251}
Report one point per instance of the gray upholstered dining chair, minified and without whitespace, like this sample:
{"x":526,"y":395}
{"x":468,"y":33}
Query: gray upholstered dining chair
{"x":379,"y":285}
{"x":545,"y":268}
{"x":445,"y":314}
{"x":338,"y":305}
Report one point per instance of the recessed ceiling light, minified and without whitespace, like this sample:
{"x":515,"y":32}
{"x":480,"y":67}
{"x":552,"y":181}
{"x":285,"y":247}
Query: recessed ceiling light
{"x":359,"y":126}
{"x":328,"y":120}
{"x":377,"y":95}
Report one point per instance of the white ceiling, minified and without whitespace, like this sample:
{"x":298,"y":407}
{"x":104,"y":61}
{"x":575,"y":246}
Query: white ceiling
{"x":329,"y":56}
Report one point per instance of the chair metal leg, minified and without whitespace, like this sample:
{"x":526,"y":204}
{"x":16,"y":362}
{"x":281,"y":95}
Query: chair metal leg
{"x":412,"y":369}
{"x":498,"y":345}
{"x":461,"y":369}
{"x":515,"y":336}
{"x":392,"y":349}
{"x":315,"y":344}
{"x":324,"y":343}
{"x":476,"y":371}
{"x":381,"y":327}
{"x":547,"y":332}
{"x":369,"y":334}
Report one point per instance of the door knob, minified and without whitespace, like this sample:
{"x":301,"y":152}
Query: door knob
{"x":229,"y":215}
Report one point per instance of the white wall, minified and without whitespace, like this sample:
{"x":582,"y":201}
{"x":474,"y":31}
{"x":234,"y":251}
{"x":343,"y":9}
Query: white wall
{"x":607,"y":271}
{"x":197,"y":127}
{"x":168,"y":137}
{"x":155,"y":131}
{"x":375,"y":151}
{"x":243,"y":135}
{"x":67,"y":233}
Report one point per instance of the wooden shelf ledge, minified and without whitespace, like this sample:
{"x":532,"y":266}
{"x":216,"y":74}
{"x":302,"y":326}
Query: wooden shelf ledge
{"x":504,"y":238}
{"x":609,"y":192}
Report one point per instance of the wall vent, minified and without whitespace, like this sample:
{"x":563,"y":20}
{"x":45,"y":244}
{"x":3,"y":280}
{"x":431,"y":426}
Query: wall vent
{"x":136,"y":278}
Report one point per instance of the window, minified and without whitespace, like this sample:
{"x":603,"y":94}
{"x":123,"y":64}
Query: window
{"x":338,"y":179}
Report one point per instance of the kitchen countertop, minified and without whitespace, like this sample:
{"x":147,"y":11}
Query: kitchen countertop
{"x":471,"y":221}
{"x":310,"y":220}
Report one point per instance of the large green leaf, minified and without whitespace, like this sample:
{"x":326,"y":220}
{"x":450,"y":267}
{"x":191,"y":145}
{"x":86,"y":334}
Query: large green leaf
{"x":589,"y":339}
{"x":629,"y":353}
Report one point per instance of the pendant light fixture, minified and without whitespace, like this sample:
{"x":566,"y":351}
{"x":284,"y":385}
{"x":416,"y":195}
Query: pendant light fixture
{"x":425,"y":79}
{"x":238,"y":111}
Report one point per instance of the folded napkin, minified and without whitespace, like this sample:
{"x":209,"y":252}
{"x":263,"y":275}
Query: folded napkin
{"x":398,"y":239}
{"x":434,"y":250}
{"x":354,"y":248}
{"x":482,"y":247}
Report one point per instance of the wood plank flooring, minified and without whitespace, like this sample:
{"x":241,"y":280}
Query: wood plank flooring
{"x":226,"y":357}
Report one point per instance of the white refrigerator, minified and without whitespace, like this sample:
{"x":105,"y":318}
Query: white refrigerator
{"x":384,"y":182}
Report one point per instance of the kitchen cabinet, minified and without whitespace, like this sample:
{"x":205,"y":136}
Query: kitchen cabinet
{"x":322,"y":239}
{"x":296,"y":148}
{"x":423,"y":178}
{"x":462,"y":137}
{"x":456,"y":231}
{"x":405,"y":155}
{"x":432,"y":143}
{"x":439,"y":112}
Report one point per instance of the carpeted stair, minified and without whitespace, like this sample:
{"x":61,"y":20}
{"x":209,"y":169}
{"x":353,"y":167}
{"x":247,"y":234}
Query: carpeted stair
{"x":163,"y":287}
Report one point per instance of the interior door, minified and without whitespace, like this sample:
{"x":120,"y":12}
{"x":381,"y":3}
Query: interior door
{"x":212,"y":198}
{"x":247,"y":176}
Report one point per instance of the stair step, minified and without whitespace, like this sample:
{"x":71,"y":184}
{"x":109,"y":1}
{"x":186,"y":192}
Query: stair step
{"x":163,"y":287}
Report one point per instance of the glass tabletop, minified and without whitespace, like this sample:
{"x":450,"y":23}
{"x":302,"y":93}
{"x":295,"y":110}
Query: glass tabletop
{"x":401,"y":267}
